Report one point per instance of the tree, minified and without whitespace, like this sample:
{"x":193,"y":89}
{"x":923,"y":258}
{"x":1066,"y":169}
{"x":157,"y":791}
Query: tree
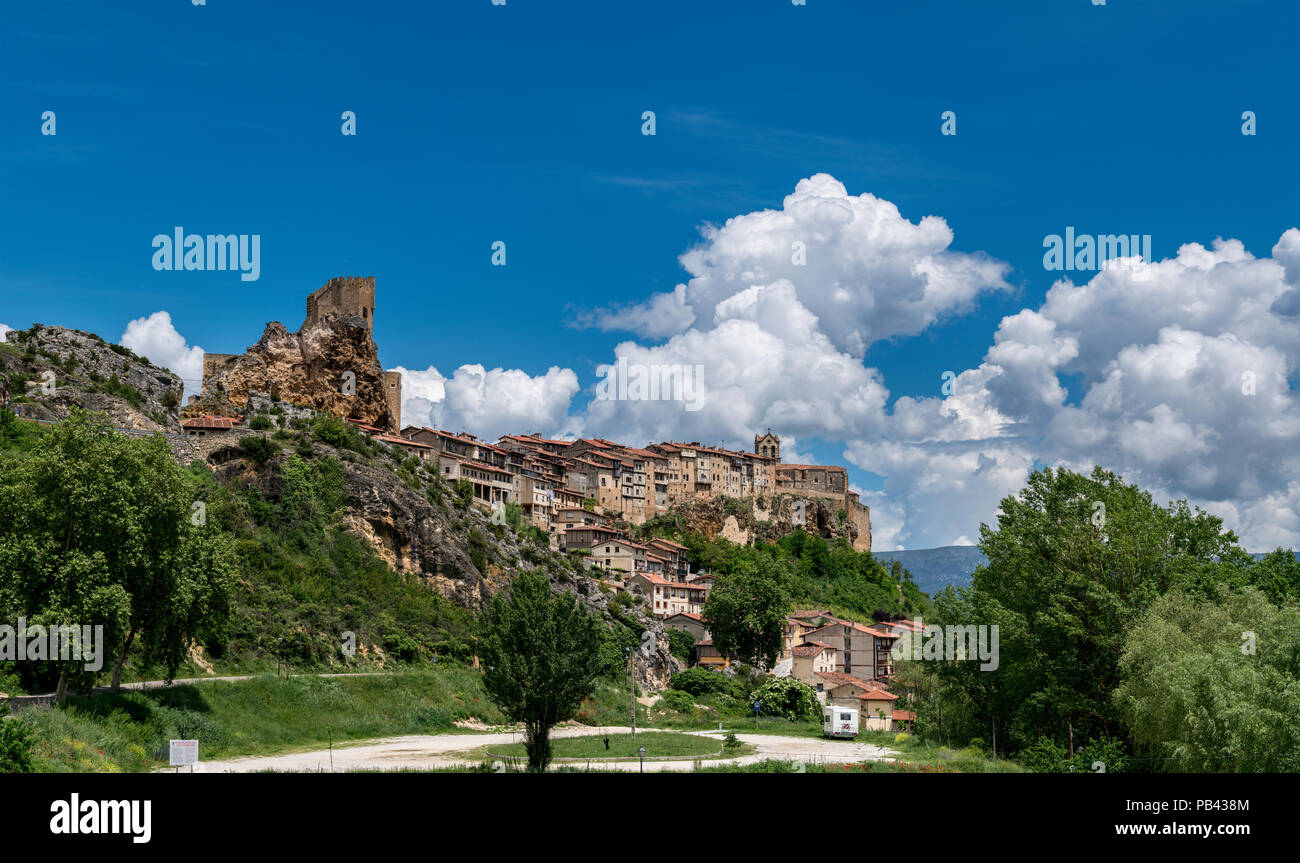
{"x":1277,"y":574}
{"x":680,"y":643}
{"x":746,"y":612}
{"x":1215,"y":685}
{"x":1073,"y":562}
{"x":96,"y":529}
{"x":542,"y":653}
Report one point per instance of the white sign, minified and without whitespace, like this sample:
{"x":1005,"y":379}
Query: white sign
{"x":184,"y":752}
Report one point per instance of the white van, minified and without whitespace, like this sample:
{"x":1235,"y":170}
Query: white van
{"x":839,"y":721}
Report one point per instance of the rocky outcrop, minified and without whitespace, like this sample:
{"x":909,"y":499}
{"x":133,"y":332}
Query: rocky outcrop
{"x":51,"y":370}
{"x":331,"y":365}
{"x":765,"y":519}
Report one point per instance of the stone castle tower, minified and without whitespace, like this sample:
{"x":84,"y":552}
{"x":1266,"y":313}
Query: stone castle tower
{"x":347,"y":295}
{"x":353,"y":296}
{"x":768,"y":445}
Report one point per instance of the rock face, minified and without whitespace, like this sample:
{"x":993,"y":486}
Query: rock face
{"x":51,"y":370}
{"x":330,"y":365}
{"x":747,"y":521}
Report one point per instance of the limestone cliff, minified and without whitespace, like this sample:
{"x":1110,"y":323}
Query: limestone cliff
{"x":331,"y":365}
{"x":768,"y":519}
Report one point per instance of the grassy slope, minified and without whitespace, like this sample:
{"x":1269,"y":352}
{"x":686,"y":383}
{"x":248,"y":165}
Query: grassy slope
{"x":129,"y":731}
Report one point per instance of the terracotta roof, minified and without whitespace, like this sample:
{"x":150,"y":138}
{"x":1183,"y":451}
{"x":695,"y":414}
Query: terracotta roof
{"x":211,"y":422}
{"x":694,"y":617}
{"x":482,"y":466}
{"x":878,"y":695}
{"x":878,"y":633}
{"x":811,"y":648}
{"x":659,"y":579}
{"x":669,"y":542}
{"x":839,"y":678}
{"x":401,"y":441}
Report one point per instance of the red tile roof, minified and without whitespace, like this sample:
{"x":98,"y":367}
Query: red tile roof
{"x":211,"y":422}
{"x":878,"y":695}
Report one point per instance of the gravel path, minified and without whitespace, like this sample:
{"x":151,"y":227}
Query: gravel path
{"x":448,"y":750}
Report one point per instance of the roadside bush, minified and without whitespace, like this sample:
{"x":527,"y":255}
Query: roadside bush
{"x":15,"y":745}
{"x":1110,"y":754}
{"x":1045,"y":756}
{"x":700,"y":681}
{"x":785,"y":696}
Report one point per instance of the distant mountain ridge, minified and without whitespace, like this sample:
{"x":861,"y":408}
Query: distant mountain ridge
{"x":933,"y":569}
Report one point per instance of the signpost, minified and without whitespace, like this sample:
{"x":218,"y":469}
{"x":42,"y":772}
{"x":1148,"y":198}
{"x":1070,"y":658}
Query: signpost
{"x":184,"y":752}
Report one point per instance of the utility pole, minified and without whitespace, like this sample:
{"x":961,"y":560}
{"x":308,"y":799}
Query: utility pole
{"x":631,"y":676}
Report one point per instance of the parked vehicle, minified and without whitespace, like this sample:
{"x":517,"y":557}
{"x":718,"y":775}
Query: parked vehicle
{"x":839,"y":721}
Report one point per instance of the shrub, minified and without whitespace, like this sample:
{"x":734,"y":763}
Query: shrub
{"x":258,"y":448}
{"x":464,"y":492}
{"x":1110,"y":754}
{"x":785,"y":696}
{"x":901,"y":737}
{"x":1045,"y":756}
{"x":331,"y":430}
{"x":700,"y":681}
{"x":675,"y":699}
{"x":260,"y":422}
{"x":15,"y":745}
{"x":731,"y":742}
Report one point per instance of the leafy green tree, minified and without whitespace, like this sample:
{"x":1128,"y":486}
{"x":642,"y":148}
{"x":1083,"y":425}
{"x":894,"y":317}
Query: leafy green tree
{"x":541,"y":650}
{"x":1215,"y":685}
{"x":1277,"y":574}
{"x":1072,"y":563}
{"x":680,"y":643}
{"x":746,"y":612}
{"x":96,"y":528}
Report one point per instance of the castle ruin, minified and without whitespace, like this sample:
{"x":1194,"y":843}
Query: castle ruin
{"x":331,"y":363}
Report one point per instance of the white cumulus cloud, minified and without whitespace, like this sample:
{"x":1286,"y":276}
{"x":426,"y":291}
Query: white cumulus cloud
{"x":156,"y":339}
{"x":489,"y":403}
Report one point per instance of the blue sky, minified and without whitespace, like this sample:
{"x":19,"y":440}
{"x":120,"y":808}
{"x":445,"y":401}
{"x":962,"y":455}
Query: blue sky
{"x":522,"y":123}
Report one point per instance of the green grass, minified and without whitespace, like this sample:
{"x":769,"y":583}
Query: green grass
{"x":129,"y":731}
{"x":658,"y":744}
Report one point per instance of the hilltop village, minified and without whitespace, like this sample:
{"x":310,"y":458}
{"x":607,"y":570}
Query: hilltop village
{"x":586,"y":495}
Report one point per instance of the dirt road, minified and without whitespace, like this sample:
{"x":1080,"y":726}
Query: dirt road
{"x":449,"y":750}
